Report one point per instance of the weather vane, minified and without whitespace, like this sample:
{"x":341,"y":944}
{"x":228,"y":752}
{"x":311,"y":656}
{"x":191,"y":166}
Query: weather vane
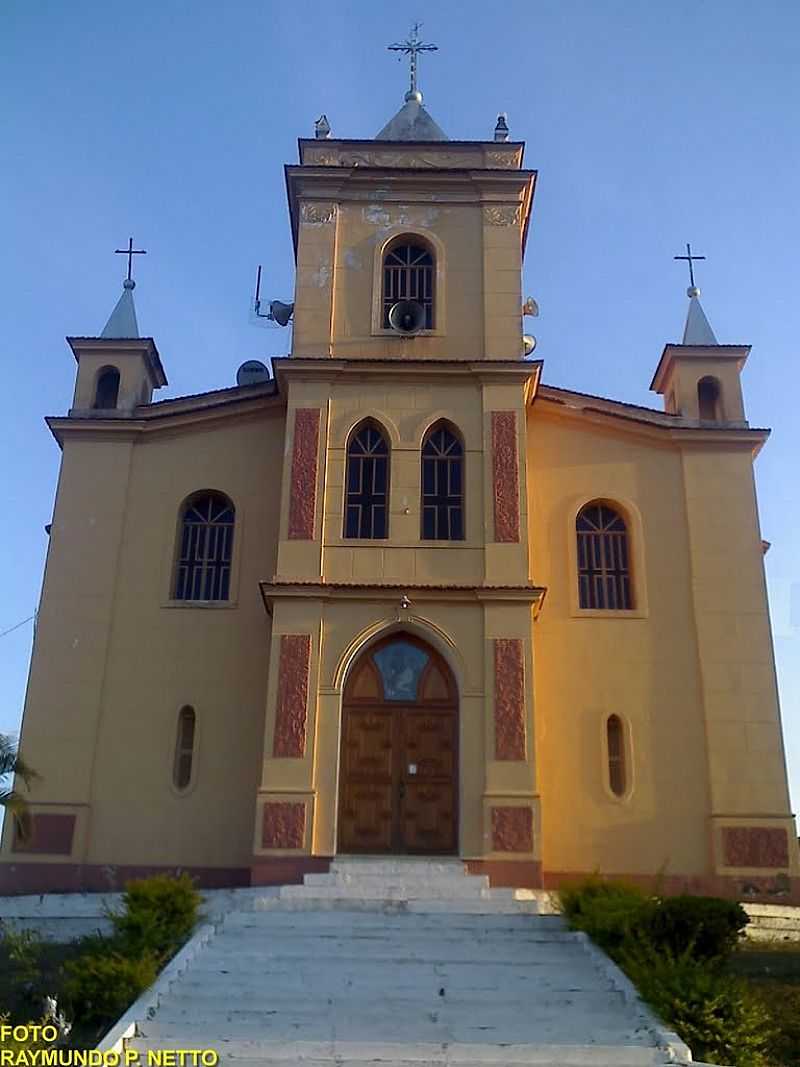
{"x":412,"y":47}
{"x":693,"y":290}
{"x":130,"y":252}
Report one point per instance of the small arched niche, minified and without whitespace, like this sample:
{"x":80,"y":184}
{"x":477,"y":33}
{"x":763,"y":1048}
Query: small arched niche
{"x":106,"y":394}
{"x":709,"y":400}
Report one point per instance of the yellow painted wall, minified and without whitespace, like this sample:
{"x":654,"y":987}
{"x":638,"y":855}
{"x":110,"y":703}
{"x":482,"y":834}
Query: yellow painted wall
{"x":114,"y":660}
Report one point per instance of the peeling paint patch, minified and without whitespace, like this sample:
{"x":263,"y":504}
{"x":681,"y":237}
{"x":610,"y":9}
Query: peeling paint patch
{"x":353,"y":260}
{"x":321,"y":276}
{"x":377,"y":215}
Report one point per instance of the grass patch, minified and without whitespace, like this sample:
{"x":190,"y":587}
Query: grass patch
{"x":772,"y":971}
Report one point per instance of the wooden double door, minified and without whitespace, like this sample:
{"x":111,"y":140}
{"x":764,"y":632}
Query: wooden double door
{"x":398,"y":773}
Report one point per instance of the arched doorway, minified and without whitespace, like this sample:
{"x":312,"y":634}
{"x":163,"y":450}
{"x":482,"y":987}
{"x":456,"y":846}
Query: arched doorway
{"x":398,"y":773}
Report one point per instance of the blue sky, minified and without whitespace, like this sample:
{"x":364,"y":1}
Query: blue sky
{"x":650,"y":123}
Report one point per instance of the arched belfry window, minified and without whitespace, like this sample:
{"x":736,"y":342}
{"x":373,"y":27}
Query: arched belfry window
{"x":203,"y":565}
{"x":184,"y":749}
{"x":367,"y":483}
{"x":708,"y":399}
{"x":408,"y":269}
{"x":604,"y":579}
{"x":617,"y":771}
{"x":442,"y":485}
{"x":107,"y":392}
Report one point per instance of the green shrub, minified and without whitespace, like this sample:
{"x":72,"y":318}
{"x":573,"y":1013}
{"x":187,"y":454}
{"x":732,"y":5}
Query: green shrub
{"x":24,"y":948}
{"x":99,"y":988}
{"x":708,"y":926}
{"x":611,"y":913}
{"x":159,"y":915}
{"x":717,"y":1015}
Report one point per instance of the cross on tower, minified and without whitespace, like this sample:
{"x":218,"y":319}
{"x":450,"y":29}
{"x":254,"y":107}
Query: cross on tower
{"x":412,"y":47}
{"x":130,"y":252}
{"x":690,"y":258}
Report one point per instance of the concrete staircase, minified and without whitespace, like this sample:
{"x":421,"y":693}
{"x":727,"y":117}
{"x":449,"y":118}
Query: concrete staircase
{"x":401,"y":963}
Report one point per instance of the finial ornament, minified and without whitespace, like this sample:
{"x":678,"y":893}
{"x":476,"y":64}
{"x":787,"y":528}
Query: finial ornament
{"x":130,"y":252}
{"x":693,"y":289}
{"x":412,"y":47}
{"x":322,"y":128}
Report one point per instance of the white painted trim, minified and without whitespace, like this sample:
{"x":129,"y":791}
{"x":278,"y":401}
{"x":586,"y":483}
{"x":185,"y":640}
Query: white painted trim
{"x":147,"y":1004}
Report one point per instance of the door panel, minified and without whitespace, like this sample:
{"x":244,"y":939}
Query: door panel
{"x":398,"y":776}
{"x":366,"y":814}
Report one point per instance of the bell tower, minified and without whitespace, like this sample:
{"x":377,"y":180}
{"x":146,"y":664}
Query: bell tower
{"x":118,"y":370}
{"x":409,"y":245}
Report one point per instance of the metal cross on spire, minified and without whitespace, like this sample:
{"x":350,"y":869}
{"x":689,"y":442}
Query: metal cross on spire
{"x":693,"y":290}
{"x":412,"y":47}
{"x":130,"y":252}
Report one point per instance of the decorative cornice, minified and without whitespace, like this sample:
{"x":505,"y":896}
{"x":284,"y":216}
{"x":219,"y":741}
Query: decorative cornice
{"x":319,"y":589}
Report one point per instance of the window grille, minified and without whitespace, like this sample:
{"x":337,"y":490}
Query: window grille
{"x":408,"y":275}
{"x":184,"y":749}
{"x":616,"y":755}
{"x":367,"y":484}
{"x":604,"y":579}
{"x":203,"y":570}
{"x":442,"y":486}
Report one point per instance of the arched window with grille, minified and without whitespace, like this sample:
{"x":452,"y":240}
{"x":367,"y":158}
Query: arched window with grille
{"x":408,"y":274}
{"x":442,"y":485}
{"x":205,"y":548}
{"x":615,"y":741}
{"x":604,"y":578}
{"x":366,"y":512}
{"x":183,"y":763}
{"x":106,"y":394}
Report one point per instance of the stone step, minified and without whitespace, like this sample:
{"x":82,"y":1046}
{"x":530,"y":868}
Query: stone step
{"x":378,"y":879}
{"x":407,"y":1054}
{"x":314,"y":951}
{"x":362,"y":889}
{"x":394,"y":864}
{"x":273,"y":918}
{"x":473,"y":906}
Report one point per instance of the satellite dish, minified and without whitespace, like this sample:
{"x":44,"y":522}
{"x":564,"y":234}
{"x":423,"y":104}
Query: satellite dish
{"x":528,"y":343}
{"x":407,"y":316}
{"x":280,"y":312}
{"x":252,"y":372}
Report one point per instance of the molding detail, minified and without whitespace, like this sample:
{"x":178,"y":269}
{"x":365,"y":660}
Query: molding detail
{"x":303,"y":490}
{"x":291,"y":715}
{"x":512,"y":829}
{"x":505,"y":476}
{"x":501,"y":158}
{"x":284,"y":825}
{"x":317,"y":214}
{"x":755,"y":846}
{"x":502,"y":215}
{"x":509,"y":699}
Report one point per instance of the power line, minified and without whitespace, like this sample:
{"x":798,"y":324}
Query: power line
{"x":11,"y":629}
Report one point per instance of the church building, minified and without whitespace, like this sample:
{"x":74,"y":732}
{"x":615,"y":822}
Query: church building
{"x":400,"y":596}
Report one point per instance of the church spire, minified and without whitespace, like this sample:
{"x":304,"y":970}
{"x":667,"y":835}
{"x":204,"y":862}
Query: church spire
{"x":697,"y":330}
{"x":122,"y":320}
{"x":412,"y":122}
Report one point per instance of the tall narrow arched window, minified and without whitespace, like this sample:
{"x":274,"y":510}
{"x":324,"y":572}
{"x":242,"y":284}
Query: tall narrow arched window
{"x":203,"y":564}
{"x":442,"y":485}
{"x":617,"y":771}
{"x":367,"y":483}
{"x":408,"y":274}
{"x":604,"y":579}
{"x":708,"y":399}
{"x":107,"y":392}
{"x":184,"y":749}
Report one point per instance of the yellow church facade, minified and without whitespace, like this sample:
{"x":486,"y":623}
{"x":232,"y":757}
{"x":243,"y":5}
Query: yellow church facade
{"x":402,"y":597}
